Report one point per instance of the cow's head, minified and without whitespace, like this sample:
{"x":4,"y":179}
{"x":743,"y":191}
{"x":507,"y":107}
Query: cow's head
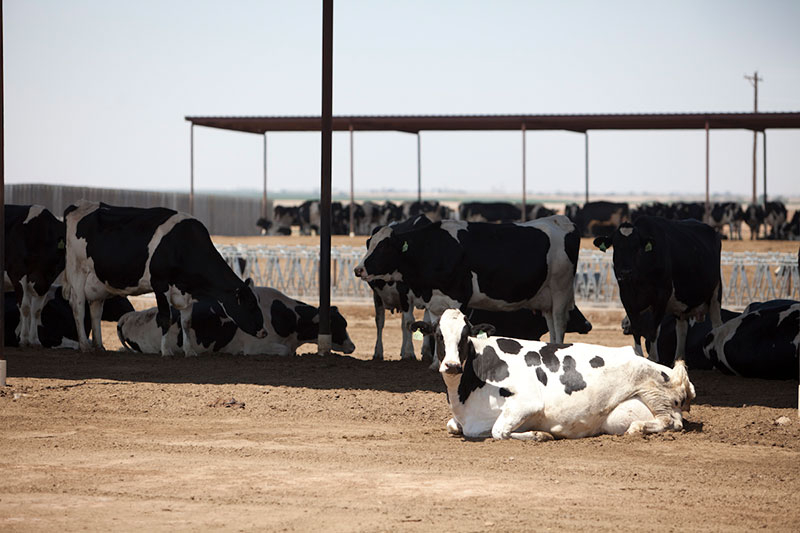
{"x":452,"y":337}
{"x":244,"y":310}
{"x":635,"y":251}
{"x":308,"y":328}
{"x":384,"y":253}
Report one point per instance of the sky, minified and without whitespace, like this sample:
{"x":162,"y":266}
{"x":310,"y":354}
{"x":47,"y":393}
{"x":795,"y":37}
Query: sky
{"x":96,"y":92}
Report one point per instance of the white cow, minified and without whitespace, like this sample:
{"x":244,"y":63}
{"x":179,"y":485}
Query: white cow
{"x":530,"y":390}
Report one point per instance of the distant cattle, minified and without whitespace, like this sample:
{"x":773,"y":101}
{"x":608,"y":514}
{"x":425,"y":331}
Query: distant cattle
{"x":598,"y":218}
{"x":666,"y":267}
{"x":55,"y":327}
{"x":775,"y":216}
{"x":791,"y":229}
{"x":530,"y":390}
{"x":290,"y":323}
{"x":762,"y":342}
{"x":754,"y":218}
{"x":34,"y":255}
{"x":727,"y":214}
{"x":503,"y":212}
{"x":431,"y":209}
{"x":127,"y":250}
{"x":500,"y":267}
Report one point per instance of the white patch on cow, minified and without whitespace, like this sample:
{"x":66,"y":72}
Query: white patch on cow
{"x":34,"y":212}
{"x":451,"y":325}
{"x":626,"y":232}
{"x":454,"y":226}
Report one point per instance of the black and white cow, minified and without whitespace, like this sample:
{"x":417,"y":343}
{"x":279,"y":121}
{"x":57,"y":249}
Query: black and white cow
{"x":34,"y":252}
{"x":290,"y":323}
{"x":666,"y":267}
{"x":56,"y":327}
{"x":503,"y":212}
{"x":762,"y":342}
{"x":526,"y":324}
{"x":598,"y":218}
{"x":530,"y":390}
{"x":500,"y":267}
{"x":728,"y":214}
{"x":128,"y":250}
{"x":754,"y":218}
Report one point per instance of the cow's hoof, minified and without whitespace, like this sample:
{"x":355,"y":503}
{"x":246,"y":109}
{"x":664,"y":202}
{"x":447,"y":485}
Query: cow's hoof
{"x":453,"y":428}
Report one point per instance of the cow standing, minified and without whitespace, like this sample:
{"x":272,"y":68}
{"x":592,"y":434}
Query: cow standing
{"x":499,"y":267}
{"x":529,"y":390}
{"x":34,"y":252}
{"x":666,"y":266}
{"x":128,"y":250}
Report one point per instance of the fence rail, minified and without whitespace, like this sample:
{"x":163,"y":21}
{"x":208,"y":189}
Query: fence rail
{"x":294,"y":270}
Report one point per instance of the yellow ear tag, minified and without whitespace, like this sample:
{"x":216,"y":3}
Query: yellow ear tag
{"x":648,"y":247}
{"x":603,"y":247}
{"x":417,"y":335}
{"x":405,"y":246}
{"x":61,"y":244}
{"x":483,"y":335}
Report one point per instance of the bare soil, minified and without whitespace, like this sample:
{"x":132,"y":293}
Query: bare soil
{"x":118,"y":441}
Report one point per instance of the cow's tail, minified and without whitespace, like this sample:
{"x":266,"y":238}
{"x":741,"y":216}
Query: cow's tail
{"x":683,"y":387}
{"x":121,"y":335}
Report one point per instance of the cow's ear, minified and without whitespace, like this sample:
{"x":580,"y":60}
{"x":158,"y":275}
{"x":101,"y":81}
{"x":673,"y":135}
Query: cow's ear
{"x":481,"y":330}
{"x":604,"y":242}
{"x":249,"y":282}
{"x":422,"y":327}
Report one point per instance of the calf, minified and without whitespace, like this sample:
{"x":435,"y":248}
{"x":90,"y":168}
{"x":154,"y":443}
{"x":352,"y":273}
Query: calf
{"x":499,"y":267}
{"x":127,"y":250}
{"x":530,"y":390}
{"x":34,"y":252}
{"x":666,"y":267}
{"x":762,"y":342}
{"x":290,"y":323}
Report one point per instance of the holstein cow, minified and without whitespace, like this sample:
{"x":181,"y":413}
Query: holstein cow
{"x":530,"y":390}
{"x":775,"y":215}
{"x":666,"y":267}
{"x":598,"y":218}
{"x":34,"y":252}
{"x":762,"y":342}
{"x":128,"y":250}
{"x":56,"y":326}
{"x":289,"y":322}
{"x":526,"y":324}
{"x":499,"y":267}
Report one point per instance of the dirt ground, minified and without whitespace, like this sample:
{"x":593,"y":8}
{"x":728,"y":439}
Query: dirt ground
{"x":118,"y":441}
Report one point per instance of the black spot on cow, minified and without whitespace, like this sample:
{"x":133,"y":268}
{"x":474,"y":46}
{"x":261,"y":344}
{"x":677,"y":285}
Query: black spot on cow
{"x":283,"y":319}
{"x":377,"y":284}
{"x":571,"y":378}
{"x":572,"y":244}
{"x":533,"y":358}
{"x":469,"y":379}
{"x":307,"y":321}
{"x":509,"y":346}
{"x":505,"y":393}
{"x":665,"y":376}
{"x":541,"y":375}
{"x":596,"y":361}
{"x":549,"y":358}
{"x":489,"y":367}
{"x":210,"y":324}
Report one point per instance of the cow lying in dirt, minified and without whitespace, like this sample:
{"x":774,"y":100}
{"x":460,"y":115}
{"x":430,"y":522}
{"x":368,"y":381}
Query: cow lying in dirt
{"x":530,"y":390}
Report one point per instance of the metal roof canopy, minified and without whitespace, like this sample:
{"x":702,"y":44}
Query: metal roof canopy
{"x":577,"y":123}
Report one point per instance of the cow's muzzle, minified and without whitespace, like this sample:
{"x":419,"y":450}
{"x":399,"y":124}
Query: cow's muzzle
{"x":452,"y":368}
{"x":360,"y":272}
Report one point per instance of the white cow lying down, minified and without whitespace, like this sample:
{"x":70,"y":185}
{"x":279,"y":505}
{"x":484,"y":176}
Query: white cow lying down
{"x":532,"y":390}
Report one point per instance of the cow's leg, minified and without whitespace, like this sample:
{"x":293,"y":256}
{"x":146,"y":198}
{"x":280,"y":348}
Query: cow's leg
{"x":516,"y":410}
{"x":77,"y":300}
{"x":163,"y":321}
{"x":681,"y":329}
{"x":715,"y":308}
{"x":407,"y":349}
{"x":427,"y":343}
{"x":380,"y":320}
{"x":189,"y":349}
{"x":24,"y":303}
{"x":536,"y":436}
{"x":435,"y":363}
{"x":453,"y":427}
{"x":96,"y":314}
{"x":37,"y":304}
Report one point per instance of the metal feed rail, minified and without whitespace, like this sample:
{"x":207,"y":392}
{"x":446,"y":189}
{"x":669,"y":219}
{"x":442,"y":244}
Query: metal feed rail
{"x":294,"y":270}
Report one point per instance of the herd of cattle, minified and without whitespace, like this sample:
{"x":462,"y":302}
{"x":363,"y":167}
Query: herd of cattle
{"x":593,"y":219}
{"x":489,"y":292}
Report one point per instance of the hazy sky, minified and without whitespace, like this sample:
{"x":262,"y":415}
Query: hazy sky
{"x":96,"y":91}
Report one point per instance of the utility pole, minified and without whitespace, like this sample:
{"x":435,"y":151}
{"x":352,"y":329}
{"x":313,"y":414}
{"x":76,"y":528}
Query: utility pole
{"x":754,"y":79}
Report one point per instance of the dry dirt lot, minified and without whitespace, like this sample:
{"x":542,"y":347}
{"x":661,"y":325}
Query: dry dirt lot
{"x":118,"y":441}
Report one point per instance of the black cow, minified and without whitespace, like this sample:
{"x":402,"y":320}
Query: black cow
{"x":762,"y":342}
{"x":754,"y":218}
{"x":526,"y":324}
{"x":56,"y":326}
{"x":128,"y":250}
{"x":598,"y":218}
{"x":502,"y":267}
{"x":34,"y":251}
{"x":791,"y":230}
{"x":666,"y":267}
{"x":290,"y":323}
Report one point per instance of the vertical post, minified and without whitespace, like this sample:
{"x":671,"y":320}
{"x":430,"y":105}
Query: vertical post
{"x":2,"y":205}
{"x":324,"y":336}
{"x":524,"y":179}
{"x":191,"y":170}
{"x":264,"y":194}
{"x":586,"y":162}
{"x":765,"y":177}
{"x":352,"y":188}
{"x":419,"y":170}
{"x":755,"y":140}
{"x":707,"y":170}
